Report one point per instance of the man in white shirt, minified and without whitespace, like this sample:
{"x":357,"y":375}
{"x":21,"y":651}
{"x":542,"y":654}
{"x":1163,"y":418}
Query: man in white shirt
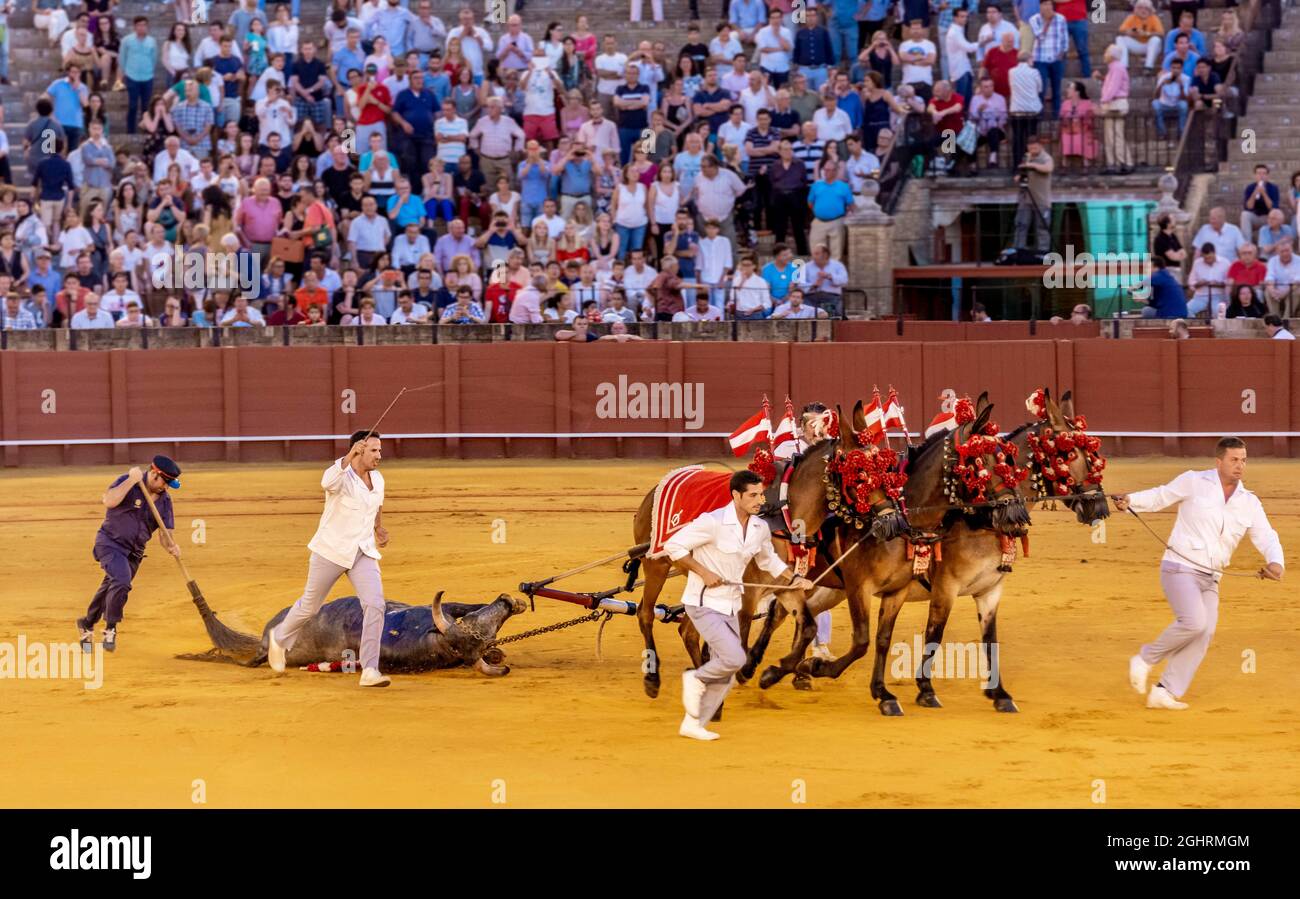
{"x":636,"y":278}
{"x":91,"y":316}
{"x":475,"y":42}
{"x":716,"y":263}
{"x":1281,"y":280}
{"x":990,"y":33}
{"x":408,"y":247}
{"x":451,"y":133}
{"x":824,"y":279}
{"x":172,"y":152}
{"x":347,"y":540}
{"x":1209,"y":280}
{"x":599,"y":133}
{"x":714,"y":550}
{"x":833,"y":124}
{"x":1215,"y":510}
{"x":610,"y":67}
{"x":918,"y":55}
{"x":1278,"y":328}
{"x":775,"y":43}
{"x":795,"y":308}
{"x":702,"y":311}
{"x":957,"y":52}
{"x":1226,"y":237}
{"x":751,"y":295}
{"x":368,"y":233}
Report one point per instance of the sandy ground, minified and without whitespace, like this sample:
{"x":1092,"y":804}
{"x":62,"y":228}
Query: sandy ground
{"x":564,"y":729}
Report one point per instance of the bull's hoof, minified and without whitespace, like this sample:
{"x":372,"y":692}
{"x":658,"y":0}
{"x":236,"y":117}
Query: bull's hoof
{"x":651,"y":684}
{"x":890,"y":708}
{"x":802,"y":682}
{"x":771,"y":675}
{"x":1005,"y":704}
{"x":928,"y":700}
{"x":494,"y":656}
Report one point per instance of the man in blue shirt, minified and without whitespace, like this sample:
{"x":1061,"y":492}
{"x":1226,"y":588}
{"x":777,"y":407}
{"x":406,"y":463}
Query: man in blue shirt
{"x":393,"y":22}
{"x":70,"y":105}
{"x":632,"y":103}
{"x":844,"y":30}
{"x":779,"y":273}
{"x":830,"y":200}
{"x":1167,"y":299}
{"x":577,"y":178}
{"x":413,"y":111}
{"x":746,"y":17}
{"x":534,"y":184}
{"x":138,"y":55}
{"x":348,"y":57}
{"x":119,"y":545}
{"x":813,"y":50}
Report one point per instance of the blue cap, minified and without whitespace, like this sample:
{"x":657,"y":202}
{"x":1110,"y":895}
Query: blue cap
{"x":169,"y":470}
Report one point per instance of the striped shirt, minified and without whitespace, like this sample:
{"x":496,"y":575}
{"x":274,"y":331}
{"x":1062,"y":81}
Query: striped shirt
{"x":1051,"y":39}
{"x":810,"y":154}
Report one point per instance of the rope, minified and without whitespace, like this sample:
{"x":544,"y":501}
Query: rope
{"x":1197,"y":565}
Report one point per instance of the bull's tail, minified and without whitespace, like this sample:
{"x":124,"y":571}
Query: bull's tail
{"x":228,"y":644}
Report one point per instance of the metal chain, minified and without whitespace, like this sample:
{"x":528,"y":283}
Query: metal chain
{"x":593,"y":616}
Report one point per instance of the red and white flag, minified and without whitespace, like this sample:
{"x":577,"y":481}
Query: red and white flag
{"x":946,"y":420}
{"x":785,"y":439}
{"x":894,"y":413}
{"x":875,"y":416}
{"x":755,"y":429}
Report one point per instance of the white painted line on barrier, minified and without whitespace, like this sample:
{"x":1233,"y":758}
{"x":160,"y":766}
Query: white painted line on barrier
{"x":490,"y":435}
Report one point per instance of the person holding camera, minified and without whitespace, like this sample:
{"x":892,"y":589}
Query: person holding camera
{"x":1034,"y":174}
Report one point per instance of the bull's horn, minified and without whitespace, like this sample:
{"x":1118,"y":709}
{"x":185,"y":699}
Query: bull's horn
{"x":440,"y":620}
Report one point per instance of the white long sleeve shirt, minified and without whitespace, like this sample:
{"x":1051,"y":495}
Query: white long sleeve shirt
{"x":348,"y":522}
{"x":716,"y":541}
{"x":1208,"y":528}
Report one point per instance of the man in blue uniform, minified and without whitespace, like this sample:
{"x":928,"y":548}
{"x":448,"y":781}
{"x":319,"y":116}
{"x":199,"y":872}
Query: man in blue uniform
{"x":119,"y":545}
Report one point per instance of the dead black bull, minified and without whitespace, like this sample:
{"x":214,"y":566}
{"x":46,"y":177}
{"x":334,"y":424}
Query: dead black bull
{"x":416,"y":638}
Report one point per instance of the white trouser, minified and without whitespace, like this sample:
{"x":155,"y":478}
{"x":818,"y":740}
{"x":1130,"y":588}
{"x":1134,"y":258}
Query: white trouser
{"x":54,"y":21}
{"x":1194,"y":597}
{"x":726,"y":655}
{"x":824,"y":627}
{"x":658,"y":6}
{"x":321,"y":576}
{"x":1152,"y":48}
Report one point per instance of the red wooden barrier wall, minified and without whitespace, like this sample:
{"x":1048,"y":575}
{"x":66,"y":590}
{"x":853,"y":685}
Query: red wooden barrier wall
{"x":1173,"y":388}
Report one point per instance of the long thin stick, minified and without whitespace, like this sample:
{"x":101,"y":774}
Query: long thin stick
{"x":404,"y":390}
{"x":777,"y":587}
{"x":144,"y":488}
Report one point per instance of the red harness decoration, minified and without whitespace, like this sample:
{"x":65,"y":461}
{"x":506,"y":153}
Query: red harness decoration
{"x":1052,"y":454}
{"x":764,"y":465}
{"x":971,"y":470}
{"x":924,"y":551}
{"x":862,"y":473}
{"x":681,"y":497}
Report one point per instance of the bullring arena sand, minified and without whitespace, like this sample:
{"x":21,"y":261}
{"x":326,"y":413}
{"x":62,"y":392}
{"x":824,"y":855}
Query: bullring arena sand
{"x":563,"y":729}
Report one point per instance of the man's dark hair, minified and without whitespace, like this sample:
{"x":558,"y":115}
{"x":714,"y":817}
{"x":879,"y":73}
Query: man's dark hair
{"x":1276,"y":321}
{"x":1157,"y":262}
{"x":359,"y":435}
{"x":1226,"y":444}
{"x":977,"y":307}
{"x":44,"y":107}
{"x":741,"y":480}
{"x":138,"y":19}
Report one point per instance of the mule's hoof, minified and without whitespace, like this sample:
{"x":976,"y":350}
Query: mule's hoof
{"x":651,"y":687}
{"x":890,"y":708}
{"x":771,"y":675}
{"x":810,"y":667}
{"x":743,"y":675}
{"x":1005,"y":704}
{"x":802,"y":682}
{"x":928,"y":700}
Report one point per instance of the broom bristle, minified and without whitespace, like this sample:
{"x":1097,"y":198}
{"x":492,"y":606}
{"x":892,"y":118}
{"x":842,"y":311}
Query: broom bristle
{"x":228,"y":640}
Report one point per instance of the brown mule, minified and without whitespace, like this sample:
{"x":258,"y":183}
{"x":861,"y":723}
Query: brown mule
{"x":972,"y":558}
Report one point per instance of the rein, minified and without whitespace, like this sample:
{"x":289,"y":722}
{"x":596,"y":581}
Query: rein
{"x":1203,"y":569}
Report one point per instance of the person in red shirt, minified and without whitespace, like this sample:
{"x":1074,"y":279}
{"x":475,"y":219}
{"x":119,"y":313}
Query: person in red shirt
{"x":369,"y":104}
{"x":289,"y":315}
{"x":311,"y":293}
{"x":1247,"y":270}
{"x":945,"y":110}
{"x":999,"y":61}
{"x":1075,"y":13}
{"x":71,"y":299}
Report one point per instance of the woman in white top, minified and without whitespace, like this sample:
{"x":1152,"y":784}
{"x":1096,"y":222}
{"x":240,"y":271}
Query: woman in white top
{"x":505,"y":200}
{"x":665,"y":200}
{"x":631,"y":212}
{"x":553,"y":45}
{"x":176,"y":51}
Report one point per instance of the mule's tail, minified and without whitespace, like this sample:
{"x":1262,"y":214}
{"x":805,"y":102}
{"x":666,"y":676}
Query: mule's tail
{"x":228,"y":644}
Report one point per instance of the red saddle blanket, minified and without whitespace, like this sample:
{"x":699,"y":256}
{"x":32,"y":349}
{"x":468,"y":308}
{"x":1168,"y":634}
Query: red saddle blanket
{"x":681,"y":497}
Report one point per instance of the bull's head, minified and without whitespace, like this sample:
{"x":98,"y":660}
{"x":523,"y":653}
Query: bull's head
{"x":470,"y":636}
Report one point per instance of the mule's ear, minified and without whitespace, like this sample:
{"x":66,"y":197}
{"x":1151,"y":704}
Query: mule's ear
{"x":982,"y":417}
{"x":859,"y":422}
{"x":1067,"y":406}
{"x":982,"y":402}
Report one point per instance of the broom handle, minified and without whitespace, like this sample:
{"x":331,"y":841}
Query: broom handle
{"x":162,"y":527}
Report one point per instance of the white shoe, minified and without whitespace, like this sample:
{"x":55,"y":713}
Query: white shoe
{"x":1160,"y":698}
{"x":275,"y":654}
{"x":691,"y":727}
{"x":823,"y":651}
{"x":370,"y":677}
{"x":1138,"y":672}
{"x":692,"y":693}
